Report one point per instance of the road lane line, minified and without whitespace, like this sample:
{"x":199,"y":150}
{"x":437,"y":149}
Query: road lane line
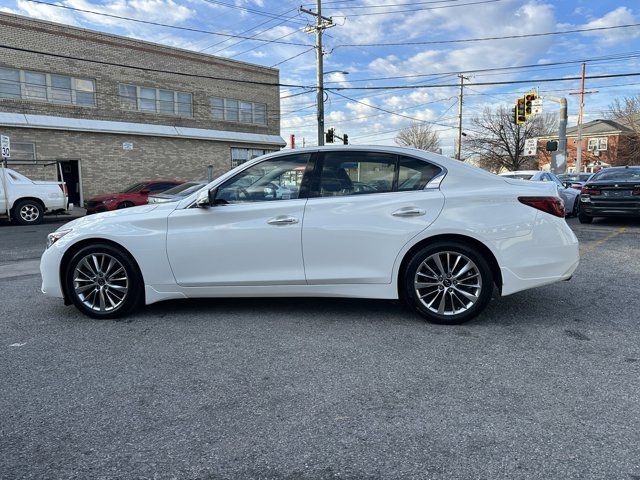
{"x":593,"y":245}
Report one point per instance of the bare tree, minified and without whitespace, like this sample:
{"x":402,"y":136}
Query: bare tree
{"x":495,"y":142}
{"x":626,"y":111}
{"x":419,"y":135}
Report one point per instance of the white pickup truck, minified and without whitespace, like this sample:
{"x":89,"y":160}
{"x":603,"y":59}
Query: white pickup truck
{"x":26,"y":201}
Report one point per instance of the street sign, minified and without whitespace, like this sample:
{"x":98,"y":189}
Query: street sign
{"x":536,"y":106}
{"x":127,"y":146}
{"x":5,"y":146}
{"x":530,"y":147}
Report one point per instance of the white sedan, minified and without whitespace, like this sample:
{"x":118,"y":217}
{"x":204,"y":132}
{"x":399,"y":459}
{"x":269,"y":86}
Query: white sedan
{"x":435,"y":232}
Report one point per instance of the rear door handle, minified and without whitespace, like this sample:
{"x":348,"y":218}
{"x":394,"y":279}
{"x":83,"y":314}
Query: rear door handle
{"x":282,"y":220}
{"x":409,"y":212}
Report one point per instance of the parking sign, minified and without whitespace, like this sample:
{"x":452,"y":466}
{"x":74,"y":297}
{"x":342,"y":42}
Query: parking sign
{"x":5,"y":145}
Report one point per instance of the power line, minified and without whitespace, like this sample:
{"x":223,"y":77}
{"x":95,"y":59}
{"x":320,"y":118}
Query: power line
{"x":165,"y":25}
{"x":385,"y":5}
{"x":484,"y":39}
{"x":254,"y":11}
{"x":618,"y":56}
{"x":262,"y":45}
{"x":294,"y":56}
{"x":481,"y":2}
{"x":156,"y":70}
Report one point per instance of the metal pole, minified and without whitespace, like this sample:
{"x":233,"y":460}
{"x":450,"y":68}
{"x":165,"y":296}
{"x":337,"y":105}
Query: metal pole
{"x":580,"y":108}
{"x":319,"y":73}
{"x":559,"y":157}
{"x":4,"y":187}
{"x":460,"y":98}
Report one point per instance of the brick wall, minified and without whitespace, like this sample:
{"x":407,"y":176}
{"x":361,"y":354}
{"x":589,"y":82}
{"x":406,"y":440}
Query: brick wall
{"x":609,"y":156}
{"x":106,"y":167}
{"x":43,"y":36}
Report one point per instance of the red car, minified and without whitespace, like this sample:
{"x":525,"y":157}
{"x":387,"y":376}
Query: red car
{"x":134,"y":195}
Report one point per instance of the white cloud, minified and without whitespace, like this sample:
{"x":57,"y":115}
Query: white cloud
{"x":46,"y":12}
{"x":619,"y":16}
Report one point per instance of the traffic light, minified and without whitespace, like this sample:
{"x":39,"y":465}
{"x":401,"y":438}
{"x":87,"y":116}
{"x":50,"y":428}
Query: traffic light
{"x":520,"y":115}
{"x":345,"y":139}
{"x":329,"y":137}
{"x":528,"y":103}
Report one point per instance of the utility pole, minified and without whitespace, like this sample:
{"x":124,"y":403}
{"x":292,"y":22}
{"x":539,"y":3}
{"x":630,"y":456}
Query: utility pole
{"x":582,"y":92}
{"x":321,"y":24}
{"x":460,"y":99}
{"x":559,"y":157}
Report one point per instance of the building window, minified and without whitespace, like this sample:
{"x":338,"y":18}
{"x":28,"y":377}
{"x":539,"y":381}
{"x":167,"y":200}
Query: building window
{"x":241,"y":155}
{"x":230,"y":110}
{"x":47,"y":87}
{"x":23,"y":152}
{"x":155,"y":100}
{"x":598,"y":144}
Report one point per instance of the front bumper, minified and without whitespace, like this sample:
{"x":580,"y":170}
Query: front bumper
{"x":50,"y":272}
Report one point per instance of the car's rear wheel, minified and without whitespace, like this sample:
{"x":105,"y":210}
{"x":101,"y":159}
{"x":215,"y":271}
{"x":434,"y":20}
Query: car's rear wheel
{"x":448,"y":283}
{"x":576,"y":207}
{"x":103,"y":282}
{"x":28,"y":212}
{"x":126,"y":204}
{"x":584,"y":218}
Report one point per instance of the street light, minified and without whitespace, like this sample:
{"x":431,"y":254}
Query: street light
{"x":336,"y":71}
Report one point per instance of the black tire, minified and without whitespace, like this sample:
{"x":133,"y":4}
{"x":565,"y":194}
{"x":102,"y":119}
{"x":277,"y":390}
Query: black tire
{"x":27,"y":212}
{"x":481,"y":268}
{"x":584,"y":218}
{"x":125,"y":205}
{"x":133,"y":297}
{"x":576,"y":207}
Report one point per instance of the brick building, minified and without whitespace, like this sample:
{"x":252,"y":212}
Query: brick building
{"x":601,"y":141}
{"x":109,"y":125}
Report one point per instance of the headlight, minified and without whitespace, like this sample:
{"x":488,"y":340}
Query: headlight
{"x":55,"y":236}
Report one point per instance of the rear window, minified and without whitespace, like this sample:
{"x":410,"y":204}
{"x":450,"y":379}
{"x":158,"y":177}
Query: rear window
{"x":519,"y":176}
{"x":617,"y":175}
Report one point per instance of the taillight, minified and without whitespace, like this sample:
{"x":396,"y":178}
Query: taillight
{"x":551,"y":205}
{"x":590,"y":191}
{"x":63,"y":187}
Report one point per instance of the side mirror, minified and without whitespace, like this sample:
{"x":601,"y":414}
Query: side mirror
{"x":204,"y":198}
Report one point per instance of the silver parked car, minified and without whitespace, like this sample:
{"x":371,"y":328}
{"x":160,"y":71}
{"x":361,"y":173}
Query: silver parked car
{"x":570,"y":196}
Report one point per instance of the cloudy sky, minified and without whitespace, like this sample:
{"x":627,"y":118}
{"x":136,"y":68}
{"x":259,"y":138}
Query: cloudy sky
{"x":405,"y":23}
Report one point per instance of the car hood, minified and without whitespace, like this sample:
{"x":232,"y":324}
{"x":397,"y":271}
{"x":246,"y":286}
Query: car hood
{"x":114,"y":216}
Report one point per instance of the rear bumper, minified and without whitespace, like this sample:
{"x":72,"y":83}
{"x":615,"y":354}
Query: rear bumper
{"x":610,"y":210}
{"x":549,"y":254}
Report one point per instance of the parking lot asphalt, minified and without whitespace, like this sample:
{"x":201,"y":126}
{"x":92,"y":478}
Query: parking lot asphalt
{"x":545,"y":384}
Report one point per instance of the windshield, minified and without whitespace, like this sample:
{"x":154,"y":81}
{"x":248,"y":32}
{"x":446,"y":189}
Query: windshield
{"x":618,"y":175}
{"x":136,"y":187}
{"x":519,"y":176}
{"x":183,"y":189}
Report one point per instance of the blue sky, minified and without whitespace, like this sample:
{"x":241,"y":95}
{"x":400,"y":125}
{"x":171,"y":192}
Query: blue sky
{"x":459,"y":19}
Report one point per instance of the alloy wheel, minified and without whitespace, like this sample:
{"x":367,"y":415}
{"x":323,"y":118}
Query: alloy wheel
{"x":101,"y":282}
{"x":448,"y":283}
{"x":29,"y":213}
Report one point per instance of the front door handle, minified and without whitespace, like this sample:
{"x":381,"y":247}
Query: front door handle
{"x":282,"y":220}
{"x":409,"y":212}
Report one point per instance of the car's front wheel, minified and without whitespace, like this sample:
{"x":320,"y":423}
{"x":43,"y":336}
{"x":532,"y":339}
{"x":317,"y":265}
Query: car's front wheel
{"x":448,"y":283}
{"x":102,"y":281}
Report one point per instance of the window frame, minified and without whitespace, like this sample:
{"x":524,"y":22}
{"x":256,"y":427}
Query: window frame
{"x":49,"y":89}
{"x":176,"y":103}
{"x":237,"y":118}
{"x":316,"y":174}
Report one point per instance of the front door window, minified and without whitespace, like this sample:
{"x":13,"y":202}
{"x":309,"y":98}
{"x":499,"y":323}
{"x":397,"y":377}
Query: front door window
{"x":276,"y":179}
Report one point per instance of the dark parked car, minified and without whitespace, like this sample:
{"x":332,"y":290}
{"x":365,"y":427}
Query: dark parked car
{"x":177,"y":193}
{"x":136,"y":194}
{"x":612,"y":192}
